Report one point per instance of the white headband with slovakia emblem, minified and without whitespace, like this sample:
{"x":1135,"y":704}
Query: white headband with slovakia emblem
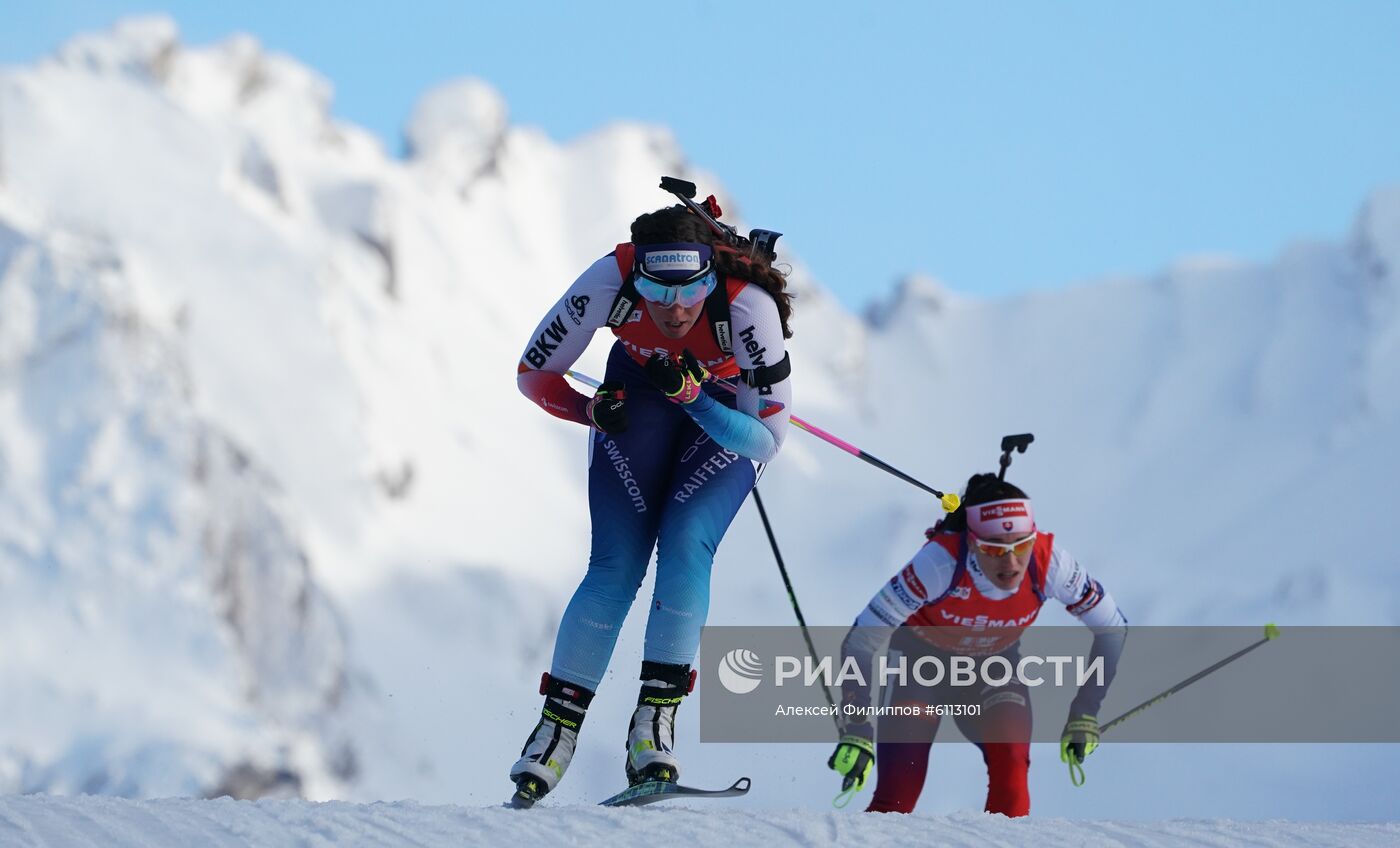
{"x":1012,"y":515}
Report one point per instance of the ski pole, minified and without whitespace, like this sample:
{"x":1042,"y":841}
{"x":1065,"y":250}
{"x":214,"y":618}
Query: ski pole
{"x":792,"y":596}
{"x":847,"y":789}
{"x":1271,"y":633}
{"x":949,"y":501}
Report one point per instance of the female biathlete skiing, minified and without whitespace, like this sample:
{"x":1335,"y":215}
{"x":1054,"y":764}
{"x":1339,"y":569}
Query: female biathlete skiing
{"x":672,"y":459}
{"x":972,"y":589}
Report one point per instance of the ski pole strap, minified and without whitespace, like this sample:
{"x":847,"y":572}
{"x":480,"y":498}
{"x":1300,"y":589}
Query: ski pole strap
{"x":1076,"y":772}
{"x":844,"y":797}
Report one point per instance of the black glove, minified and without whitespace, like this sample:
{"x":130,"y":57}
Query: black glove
{"x":608,"y":408}
{"x":680,"y":381}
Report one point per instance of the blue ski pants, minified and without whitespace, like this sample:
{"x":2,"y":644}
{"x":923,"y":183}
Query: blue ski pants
{"x":663,"y":485}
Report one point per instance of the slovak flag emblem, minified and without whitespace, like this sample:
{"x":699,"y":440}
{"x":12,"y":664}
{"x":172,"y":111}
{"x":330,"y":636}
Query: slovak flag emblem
{"x":1007,"y":525}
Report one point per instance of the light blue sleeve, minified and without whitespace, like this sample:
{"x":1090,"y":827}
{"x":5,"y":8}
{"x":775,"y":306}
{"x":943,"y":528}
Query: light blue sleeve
{"x":732,"y":429}
{"x":755,"y":428}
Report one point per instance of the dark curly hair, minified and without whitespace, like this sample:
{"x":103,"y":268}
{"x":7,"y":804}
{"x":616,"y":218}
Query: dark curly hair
{"x":677,"y":223}
{"x":981,"y":489}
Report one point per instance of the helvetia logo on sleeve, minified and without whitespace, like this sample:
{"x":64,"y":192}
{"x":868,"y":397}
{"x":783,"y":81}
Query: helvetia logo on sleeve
{"x":756,"y":353}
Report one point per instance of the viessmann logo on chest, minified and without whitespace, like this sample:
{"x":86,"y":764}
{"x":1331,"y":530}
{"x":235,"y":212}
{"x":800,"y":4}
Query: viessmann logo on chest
{"x":982,"y":622}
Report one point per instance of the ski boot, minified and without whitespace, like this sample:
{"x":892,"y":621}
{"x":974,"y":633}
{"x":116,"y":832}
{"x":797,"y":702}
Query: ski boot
{"x":549,"y":749}
{"x":651,"y":735}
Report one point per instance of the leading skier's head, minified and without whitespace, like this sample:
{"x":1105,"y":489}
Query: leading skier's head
{"x":675,"y":269}
{"x":679,"y":264}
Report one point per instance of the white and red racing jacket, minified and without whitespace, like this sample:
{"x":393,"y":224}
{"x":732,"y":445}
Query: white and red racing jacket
{"x":565,"y":331}
{"x":955,"y":609}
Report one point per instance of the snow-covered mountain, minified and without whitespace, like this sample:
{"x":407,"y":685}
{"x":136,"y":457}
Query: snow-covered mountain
{"x":274,"y":519}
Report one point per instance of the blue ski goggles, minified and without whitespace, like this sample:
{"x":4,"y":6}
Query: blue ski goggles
{"x":688,"y":294}
{"x":679,"y":273}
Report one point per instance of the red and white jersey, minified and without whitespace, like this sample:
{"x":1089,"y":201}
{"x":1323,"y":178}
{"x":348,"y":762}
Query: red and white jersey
{"x":641,"y":338}
{"x":942,"y":586}
{"x":966,"y":620}
{"x":565,"y":331}
{"x":943,"y":589}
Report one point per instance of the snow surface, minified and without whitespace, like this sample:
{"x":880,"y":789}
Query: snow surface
{"x":275,"y":521}
{"x":175,"y":823}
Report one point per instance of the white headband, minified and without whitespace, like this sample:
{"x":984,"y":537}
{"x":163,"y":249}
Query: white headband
{"x":1012,"y":515}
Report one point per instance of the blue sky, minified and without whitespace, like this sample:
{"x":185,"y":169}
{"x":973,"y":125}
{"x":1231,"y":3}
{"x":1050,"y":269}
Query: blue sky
{"x":1000,"y":147}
